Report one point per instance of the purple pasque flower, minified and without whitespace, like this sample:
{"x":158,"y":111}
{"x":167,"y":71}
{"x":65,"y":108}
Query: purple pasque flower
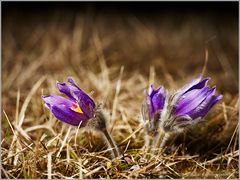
{"x":152,"y":106}
{"x":77,"y":108}
{"x":155,"y":100}
{"x":190,"y":104}
{"x":196,"y":98}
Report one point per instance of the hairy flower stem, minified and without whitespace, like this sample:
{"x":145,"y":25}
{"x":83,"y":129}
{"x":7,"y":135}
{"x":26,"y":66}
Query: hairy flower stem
{"x":111,"y":143}
{"x":149,"y":139}
{"x":98,"y":122}
{"x":148,"y":143}
{"x":160,"y":142}
{"x":164,"y":140}
{"x":154,"y":146}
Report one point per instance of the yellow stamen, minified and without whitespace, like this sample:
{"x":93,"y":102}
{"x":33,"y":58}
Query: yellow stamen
{"x":76,"y":108}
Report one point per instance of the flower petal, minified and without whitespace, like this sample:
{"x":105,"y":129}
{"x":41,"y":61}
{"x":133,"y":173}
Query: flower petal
{"x":199,"y":85}
{"x":189,"y":85}
{"x":191,"y":100}
{"x":206,"y":105}
{"x":54,"y":99}
{"x":62,"y":109}
{"x":86,"y":103}
{"x":152,"y":91}
{"x":158,"y":99}
{"x":67,"y":89}
{"x":155,"y":100}
{"x":65,"y":114}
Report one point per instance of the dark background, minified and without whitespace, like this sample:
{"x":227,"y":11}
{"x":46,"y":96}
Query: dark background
{"x":221,"y":8}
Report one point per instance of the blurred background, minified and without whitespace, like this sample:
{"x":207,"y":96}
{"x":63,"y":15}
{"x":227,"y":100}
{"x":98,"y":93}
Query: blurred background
{"x":171,"y":36}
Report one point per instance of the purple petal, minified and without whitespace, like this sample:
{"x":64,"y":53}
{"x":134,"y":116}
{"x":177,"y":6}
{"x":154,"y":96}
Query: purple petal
{"x":152,"y":91}
{"x":156,"y":99}
{"x":190,"y":84}
{"x":199,"y":85}
{"x":68,"y":90}
{"x":54,"y":99}
{"x":85,"y":102}
{"x":205,"y":106}
{"x":150,"y":104}
{"x":191,"y":100}
{"x":65,"y":114}
{"x":61,"y":108}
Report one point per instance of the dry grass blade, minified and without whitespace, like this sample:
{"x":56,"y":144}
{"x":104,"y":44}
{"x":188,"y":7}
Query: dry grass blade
{"x":220,"y":157}
{"x":49,"y":165}
{"x":115,"y":100}
{"x":28,"y":99}
{"x":64,"y":141}
{"x":89,"y":174}
{"x":132,"y":134}
{"x":10,"y":124}
{"x":234,"y":132}
{"x":205,"y":62}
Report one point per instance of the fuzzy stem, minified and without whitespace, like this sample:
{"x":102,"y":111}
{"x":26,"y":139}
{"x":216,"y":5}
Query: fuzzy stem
{"x":146,"y":147}
{"x":146,"y":141}
{"x":155,"y":145}
{"x":111,"y":143}
{"x":164,"y":140}
{"x":98,"y":122}
{"x":160,"y":141}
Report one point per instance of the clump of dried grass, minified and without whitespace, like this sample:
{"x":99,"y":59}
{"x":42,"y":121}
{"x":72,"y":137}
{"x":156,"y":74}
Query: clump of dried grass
{"x":36,"y":145}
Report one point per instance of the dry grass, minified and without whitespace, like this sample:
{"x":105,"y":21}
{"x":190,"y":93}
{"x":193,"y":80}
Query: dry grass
{"x":114,"y":59}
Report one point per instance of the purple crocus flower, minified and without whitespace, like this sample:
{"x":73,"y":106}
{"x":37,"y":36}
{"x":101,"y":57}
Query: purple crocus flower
{"x":189,"y":104}
{"x":77,"y":108}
